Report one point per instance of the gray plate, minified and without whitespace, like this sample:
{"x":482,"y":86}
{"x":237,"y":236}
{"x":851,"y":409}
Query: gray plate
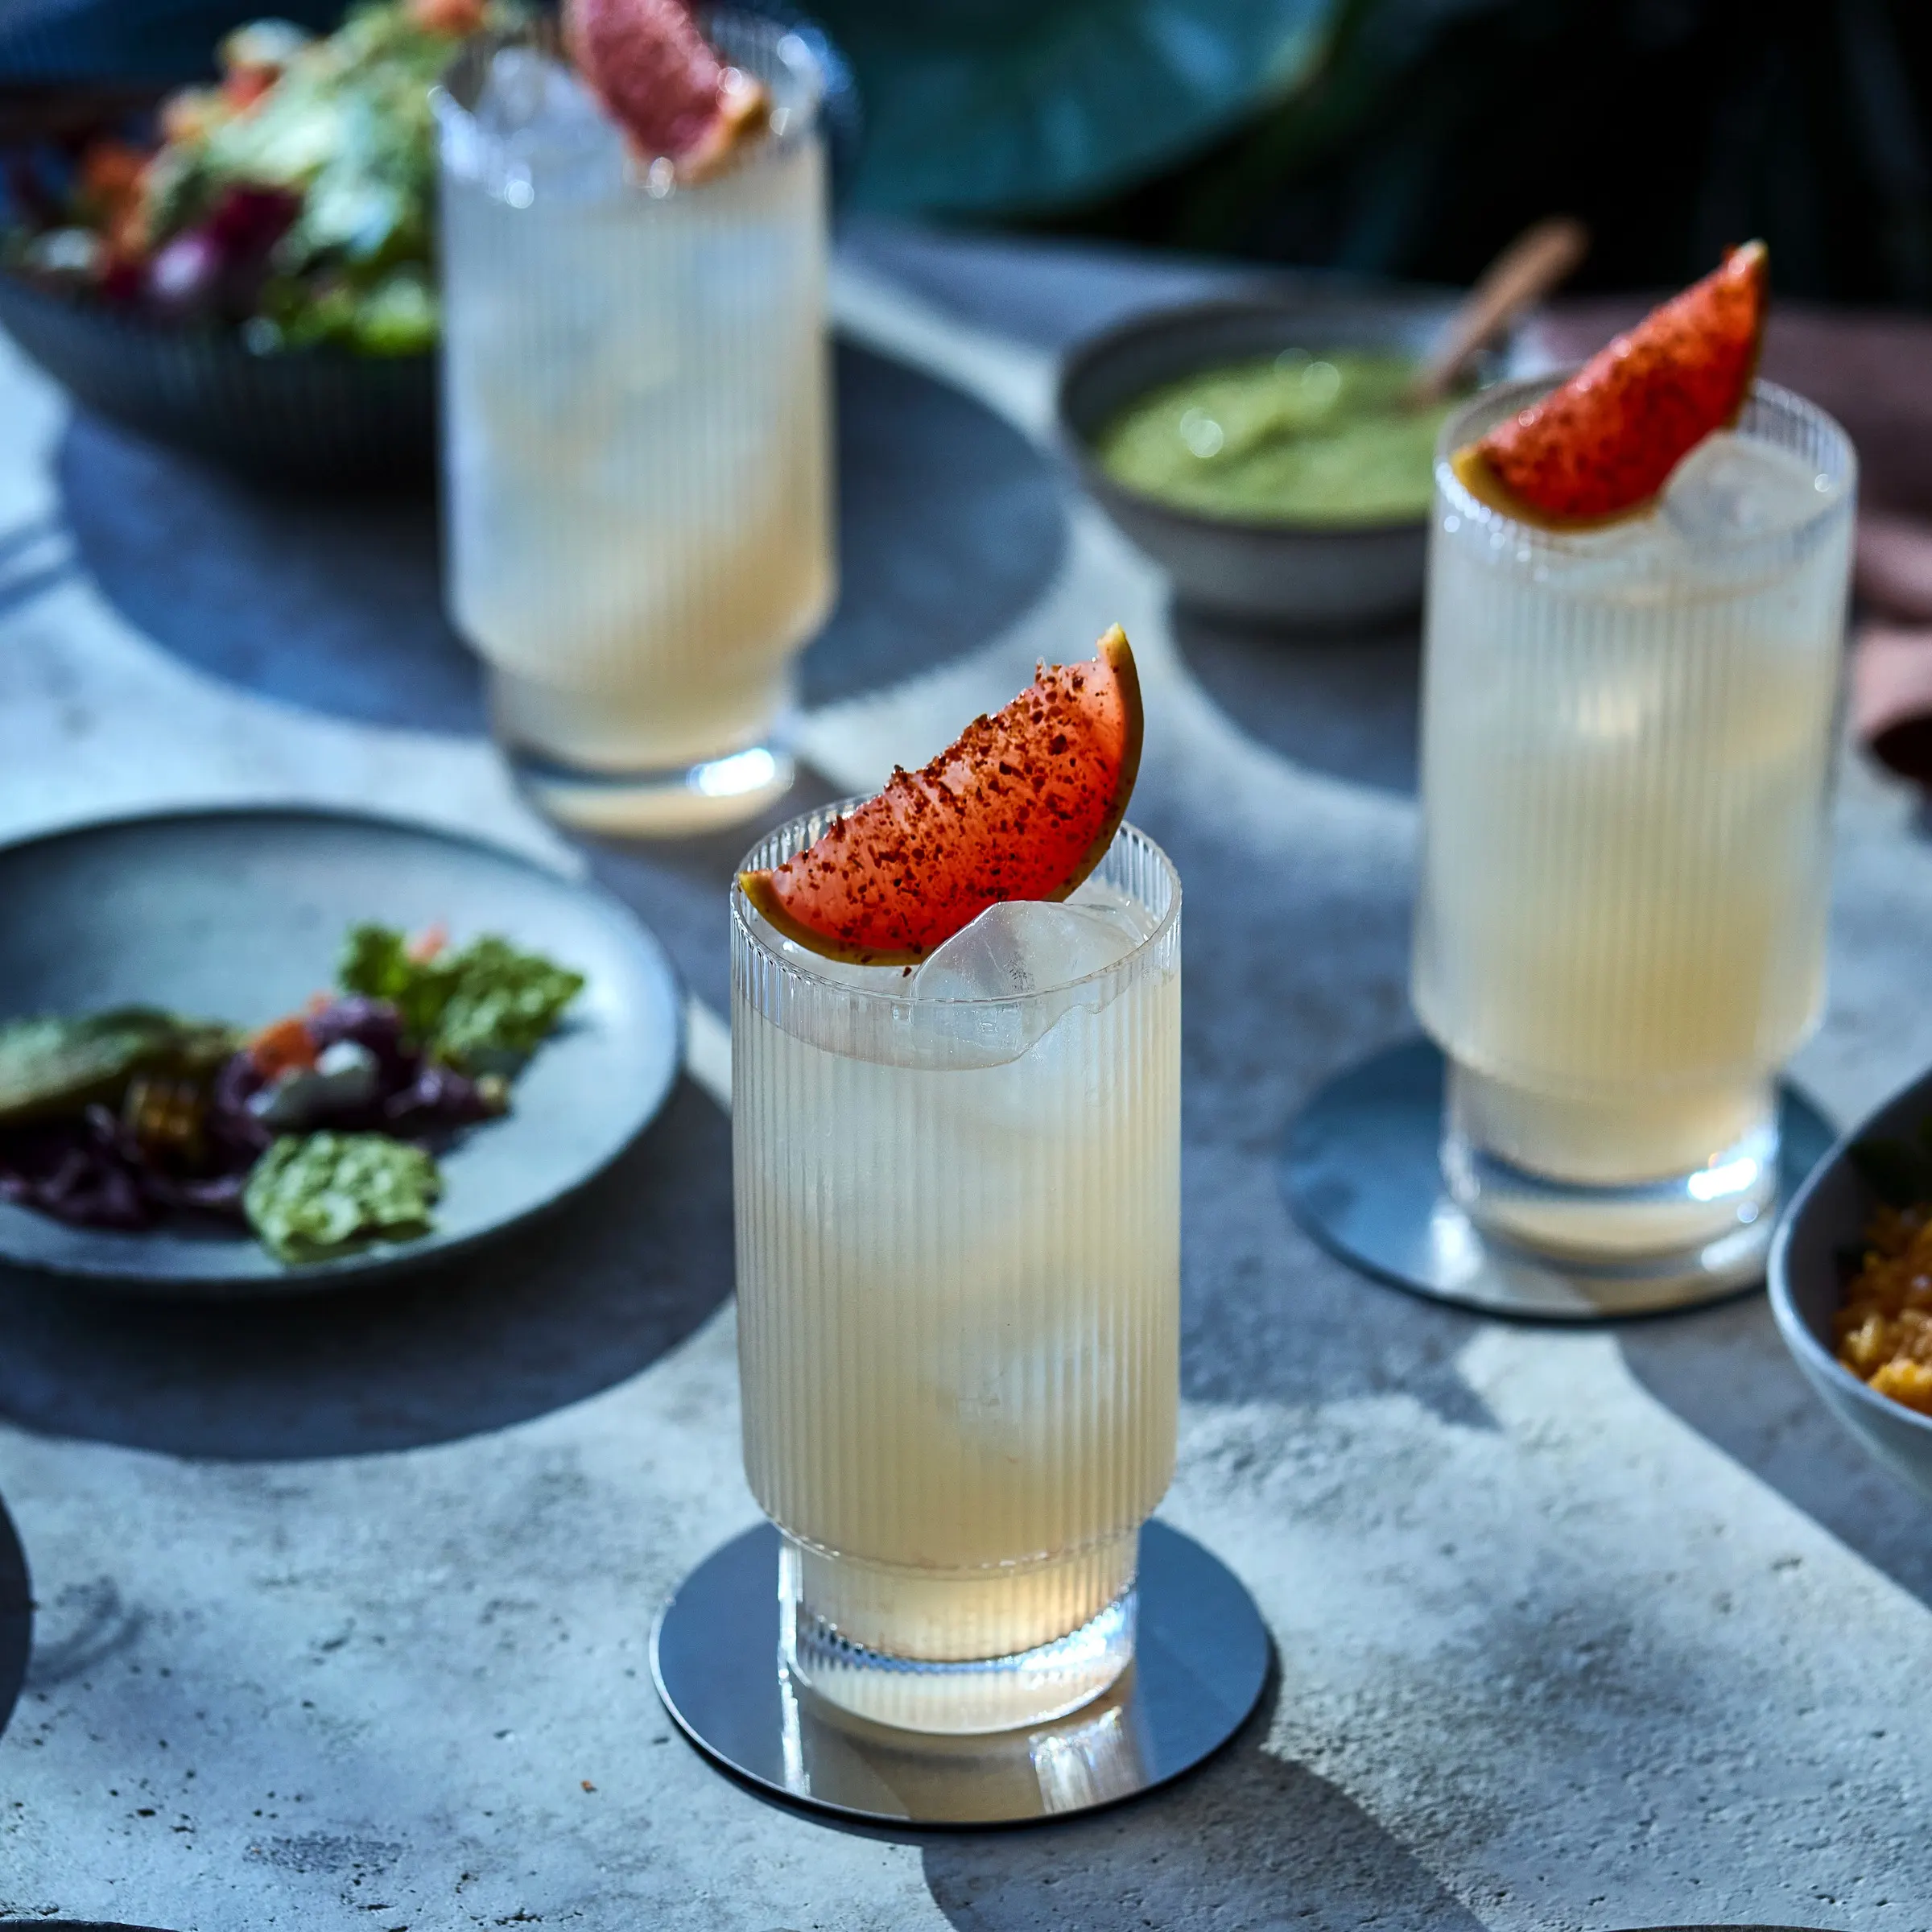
{"x":1201,"y":1660}
{"x":1361,"y":1169}
{"x":236,"y":915}
{"x":1807,"y":1284}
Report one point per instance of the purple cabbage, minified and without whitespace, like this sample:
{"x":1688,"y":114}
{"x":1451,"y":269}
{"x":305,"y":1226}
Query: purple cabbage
{"x":95,"y":1171}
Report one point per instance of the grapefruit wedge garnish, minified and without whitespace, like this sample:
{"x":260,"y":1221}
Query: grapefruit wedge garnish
{"x":1603,"y":445}
{"x":1023,"y":806}
{"x":663,"y":82}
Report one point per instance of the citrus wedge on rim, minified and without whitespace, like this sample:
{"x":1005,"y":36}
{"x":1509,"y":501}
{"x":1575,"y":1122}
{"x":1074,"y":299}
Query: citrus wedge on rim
{"x":1602,"y":445}
{"x":1022,"y":805}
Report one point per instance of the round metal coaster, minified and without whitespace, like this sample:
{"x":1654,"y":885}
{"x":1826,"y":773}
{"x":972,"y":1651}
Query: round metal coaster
{"x":1200,"y":1660}
{"x":1361,"y":1171}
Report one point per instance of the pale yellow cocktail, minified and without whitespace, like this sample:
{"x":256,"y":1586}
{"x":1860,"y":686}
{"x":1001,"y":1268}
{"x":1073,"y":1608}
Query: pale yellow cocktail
{"x":958,"y":1290}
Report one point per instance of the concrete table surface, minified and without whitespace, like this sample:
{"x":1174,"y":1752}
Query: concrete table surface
{"x":342,"y":1607}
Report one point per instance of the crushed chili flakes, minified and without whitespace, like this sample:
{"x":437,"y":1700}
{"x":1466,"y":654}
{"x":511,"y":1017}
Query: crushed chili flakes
{"x":1013,"y":810}
{"x":1884,"y":1327}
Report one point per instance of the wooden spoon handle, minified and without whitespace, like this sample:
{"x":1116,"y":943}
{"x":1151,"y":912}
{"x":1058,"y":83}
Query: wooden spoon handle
{"x":1524,"y":272}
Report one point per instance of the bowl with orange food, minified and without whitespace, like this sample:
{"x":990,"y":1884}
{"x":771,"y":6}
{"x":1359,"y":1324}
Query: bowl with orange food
{"x":1851,"y":1280}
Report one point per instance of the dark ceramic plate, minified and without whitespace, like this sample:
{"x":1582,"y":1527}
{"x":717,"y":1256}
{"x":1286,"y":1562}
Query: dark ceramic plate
{"x":238,"y":914}
{"x":308,"y":419}
{"x":1827,"y":1216}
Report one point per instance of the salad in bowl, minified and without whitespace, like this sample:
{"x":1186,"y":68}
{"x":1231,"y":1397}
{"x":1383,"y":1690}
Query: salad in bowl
{"x":291,"y":200}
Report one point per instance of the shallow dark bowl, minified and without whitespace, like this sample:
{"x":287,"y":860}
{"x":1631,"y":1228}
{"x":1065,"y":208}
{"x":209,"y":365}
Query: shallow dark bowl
{"x":1256,"y":572}
{"x":305,"y":418}
{"x":1829,"y":1214}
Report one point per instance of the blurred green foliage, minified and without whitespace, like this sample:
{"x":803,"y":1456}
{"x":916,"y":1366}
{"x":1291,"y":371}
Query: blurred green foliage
{"x":1414,"y":137}
{"x":1011,"y":106}
{"x":1409,"y":136}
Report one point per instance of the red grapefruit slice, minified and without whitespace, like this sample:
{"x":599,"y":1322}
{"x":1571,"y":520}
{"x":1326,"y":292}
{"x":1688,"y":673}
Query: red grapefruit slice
{"x":1602,"y":446}
{"x":1023,"y":807}
{"x":662,"y":81}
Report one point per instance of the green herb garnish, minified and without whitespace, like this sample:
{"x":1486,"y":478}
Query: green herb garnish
{"x":485,"y":1005}
{"x":375,"y":962}
{"x":315,"y":1196}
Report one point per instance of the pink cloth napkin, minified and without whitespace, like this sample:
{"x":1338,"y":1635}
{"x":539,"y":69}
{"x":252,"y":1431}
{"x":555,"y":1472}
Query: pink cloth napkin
{"x":1873,"y":371}
{"x":1892,"y":665}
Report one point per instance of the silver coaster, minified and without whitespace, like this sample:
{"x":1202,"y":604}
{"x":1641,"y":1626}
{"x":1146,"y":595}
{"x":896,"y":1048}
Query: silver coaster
{"x":1360,"y":1168}
{"x":1201,"y":1662}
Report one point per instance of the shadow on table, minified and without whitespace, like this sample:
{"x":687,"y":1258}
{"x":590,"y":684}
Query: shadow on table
{"x":1246,"y":1840}
{"x":332,"y":603}
{"x":1343,"y":703}
{"x":1725,"y":1372}
{"x":681,"y":888}
{"x":555,"y":1313}
{"x":16,"y":1617}
{"x":1297,"y":952}
{"x":951,"y":525}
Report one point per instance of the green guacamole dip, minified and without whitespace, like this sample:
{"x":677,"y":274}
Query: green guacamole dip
{"x":1293,"y":438}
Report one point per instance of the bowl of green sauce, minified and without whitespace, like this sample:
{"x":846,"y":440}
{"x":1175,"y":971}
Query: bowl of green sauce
{"x":1264,"y":450}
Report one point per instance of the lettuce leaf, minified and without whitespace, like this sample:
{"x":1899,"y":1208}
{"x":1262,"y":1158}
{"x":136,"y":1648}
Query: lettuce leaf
{"x":503,"y":1005}
{"x":375,"y":962}
{"x":482,"y":1006}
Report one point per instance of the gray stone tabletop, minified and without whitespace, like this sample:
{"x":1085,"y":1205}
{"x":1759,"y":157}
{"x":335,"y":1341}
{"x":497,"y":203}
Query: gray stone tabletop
{"x":341,"y":1608}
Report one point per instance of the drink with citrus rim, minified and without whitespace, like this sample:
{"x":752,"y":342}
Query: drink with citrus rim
{"x":1629,"y":728}
{"x":636,"y":435}
{"x":957,"y":1183}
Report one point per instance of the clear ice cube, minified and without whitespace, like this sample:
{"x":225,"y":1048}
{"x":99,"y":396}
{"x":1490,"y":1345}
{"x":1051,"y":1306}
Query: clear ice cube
{"x":536,"y":130}
{"x":526,"y":92}
{"x":1024,"y":946}
{"x":1732,"y":488}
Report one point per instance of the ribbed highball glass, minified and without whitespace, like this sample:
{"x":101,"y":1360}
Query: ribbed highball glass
{"x":636,"y":431}
{"x":958,"y":1276}
{"x":1627,"y":742}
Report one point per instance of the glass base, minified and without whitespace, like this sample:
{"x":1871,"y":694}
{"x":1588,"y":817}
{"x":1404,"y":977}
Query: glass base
{"x":1200,"y":1663}
{"x":886,"y":1644}
{"x":1711,"y":1221}
{"x":678,"y":802}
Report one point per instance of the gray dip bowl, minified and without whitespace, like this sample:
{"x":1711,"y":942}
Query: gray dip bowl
{"x":1288,"y":576}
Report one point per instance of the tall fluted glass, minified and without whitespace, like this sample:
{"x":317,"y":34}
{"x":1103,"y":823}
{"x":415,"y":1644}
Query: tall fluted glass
{"x":1627,"y":740}
{"x":636,"y":436}
{"x":958,"y":1274}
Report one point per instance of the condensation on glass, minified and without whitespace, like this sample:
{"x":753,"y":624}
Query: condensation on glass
{"x":1628,"y":745}
{"x":958,"y":1275}
{"x":637,"y":435}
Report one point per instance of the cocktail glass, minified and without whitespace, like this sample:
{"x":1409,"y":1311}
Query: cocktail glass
{"x":635,"y":435}
{"x":1627,"y":743}
{"x":958,"y":1274}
